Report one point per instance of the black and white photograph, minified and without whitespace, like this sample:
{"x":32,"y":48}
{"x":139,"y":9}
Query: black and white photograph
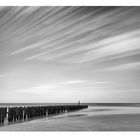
{"x":70,"y":68}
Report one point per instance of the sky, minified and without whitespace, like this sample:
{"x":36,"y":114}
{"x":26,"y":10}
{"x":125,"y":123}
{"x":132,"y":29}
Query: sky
{"x":65,"y":54}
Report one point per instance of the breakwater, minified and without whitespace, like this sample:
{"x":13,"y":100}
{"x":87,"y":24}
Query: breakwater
{"x":9,"y":115}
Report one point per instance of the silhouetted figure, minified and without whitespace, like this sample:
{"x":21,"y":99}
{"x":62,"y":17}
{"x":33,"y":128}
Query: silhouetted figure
{"x":78,"y":102}
{"x":0,"y":116}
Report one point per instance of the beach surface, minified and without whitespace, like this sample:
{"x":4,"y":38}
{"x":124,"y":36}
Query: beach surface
{"x":94,"y":118}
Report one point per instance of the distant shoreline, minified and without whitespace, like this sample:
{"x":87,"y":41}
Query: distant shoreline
{"x":90,"y":104}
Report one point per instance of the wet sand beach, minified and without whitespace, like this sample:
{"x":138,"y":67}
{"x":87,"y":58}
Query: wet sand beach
{"x":91,"y":119}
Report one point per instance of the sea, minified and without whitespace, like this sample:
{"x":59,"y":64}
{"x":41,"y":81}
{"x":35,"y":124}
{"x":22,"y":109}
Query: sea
{"x":97,"y":117}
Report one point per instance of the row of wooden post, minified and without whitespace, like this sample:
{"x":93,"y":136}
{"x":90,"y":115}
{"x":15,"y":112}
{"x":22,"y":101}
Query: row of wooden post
{"x":18,"y":114}
{"x":3,"y":113}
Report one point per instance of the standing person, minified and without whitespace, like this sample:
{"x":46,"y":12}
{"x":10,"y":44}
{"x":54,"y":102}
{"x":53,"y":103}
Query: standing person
{"x":78,"y":102}
{"x":0,"y":116}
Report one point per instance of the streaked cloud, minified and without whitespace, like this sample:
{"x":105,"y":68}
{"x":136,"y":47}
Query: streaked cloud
{"x":129,"y":66}
{"x":82,"y":52}
{"x":2,"y":75}
{"x":54,"y":87}
{"x":70,"y":34}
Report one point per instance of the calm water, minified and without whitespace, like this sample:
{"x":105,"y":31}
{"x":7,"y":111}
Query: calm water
{"x":105,"y":110}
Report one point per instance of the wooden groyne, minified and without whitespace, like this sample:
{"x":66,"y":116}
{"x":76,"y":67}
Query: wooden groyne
{"x":9,"y":115}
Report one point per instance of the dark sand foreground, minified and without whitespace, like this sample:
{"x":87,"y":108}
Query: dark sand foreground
{"x":92,"y":119}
